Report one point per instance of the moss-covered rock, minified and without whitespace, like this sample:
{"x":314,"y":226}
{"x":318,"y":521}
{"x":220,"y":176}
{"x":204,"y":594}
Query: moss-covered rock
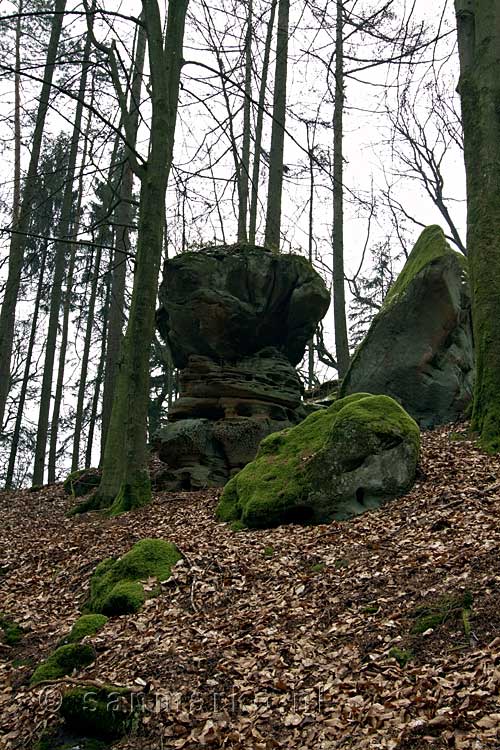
{"x":115,"y":587}
{"x":11,"y":631}
{"x":106,"y":713}
{"x":63,"y":661}
{"x":81,"y":482}
{"x":419,"y":348}
{"x":340,"y":461}
{"x":84,"y":626}
{"x":61,"y":740}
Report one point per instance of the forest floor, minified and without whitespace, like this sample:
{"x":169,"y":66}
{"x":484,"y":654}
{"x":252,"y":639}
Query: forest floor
{"x":280,"y":638}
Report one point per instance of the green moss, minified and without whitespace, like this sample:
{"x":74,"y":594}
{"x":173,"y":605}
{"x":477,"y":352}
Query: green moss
{"x":94,"y":502}
{"x":84,"y":626}
{"x":106,"y":713}
{"x":274,"y":488}
{"x":115,"y":587}
{"x":12,"y":633}
{"x":442,"y":610}
{"x":402,"y":656}
{"x":268,"y":551}
{"x":133,"y":494}
{"x":80,"y":482}
{"x":64,"y":661}
{"x":430,"y":246}
{"x":62,"y":741}
{"x":318,"y":567}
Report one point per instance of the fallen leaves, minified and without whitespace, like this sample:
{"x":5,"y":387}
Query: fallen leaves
{"x":278,"y":638}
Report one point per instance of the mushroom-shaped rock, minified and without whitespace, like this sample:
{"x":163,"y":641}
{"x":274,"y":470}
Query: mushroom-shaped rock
{"x":237,"y":321}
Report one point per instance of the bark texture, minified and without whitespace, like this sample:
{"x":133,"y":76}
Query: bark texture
{"x":478,"y":25}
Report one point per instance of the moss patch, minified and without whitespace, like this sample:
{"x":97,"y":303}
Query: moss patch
{"x":106,"y":713}
{"x":446,"y":608}
{"x":430,"y":246}
{"x":81,"y":482}
{"x":115,"y":587}
{"x":84,"y":626}
{"x":276,"y":487}
{"x":402,"y":656}
{"x":12,"y":633}
{"x":133,"y":494}
{"x":64,"y":661}
{"x":60,"y":740}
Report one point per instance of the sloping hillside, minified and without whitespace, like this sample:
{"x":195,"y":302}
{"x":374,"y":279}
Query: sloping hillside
{"x":288,"y":638}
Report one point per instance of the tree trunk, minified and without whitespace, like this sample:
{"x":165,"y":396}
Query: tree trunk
{"x":275,"y":186}
{"x":123,"y":220}
{"x":341,"y":341}
{"x":245,"y":151}
{"x":17,"y":243}
{"x":125,"y":479}
{"x":26,"y":376}
{"x":98,"y":380}
{"x":58,"y":397}
{"x":63,"y":231}
{"x":478,"y":26}
{"x":16,"y":198}
{"x":259,"y":126}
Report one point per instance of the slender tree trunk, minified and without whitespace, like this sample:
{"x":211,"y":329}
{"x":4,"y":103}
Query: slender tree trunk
{"x":58,"y":397}
{"x":478,"y":26}
{"x":17,"y":243}
{"x":245,"y":151}
{"x":16,"y":199}
{"x":63,"y":231}
{"x":98,"y":381}
{"x":26,"y":376}
{"x":125,"y":478}
{"x":341,"y":341}
{"x":259,"y":126}
{"x":123,"y":220}
{"x":310,"y":346}
{"x":82,"y":384}
{"x":275,"y":187}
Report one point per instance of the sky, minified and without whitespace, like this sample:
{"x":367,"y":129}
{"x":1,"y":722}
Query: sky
{"x":370,"y":150}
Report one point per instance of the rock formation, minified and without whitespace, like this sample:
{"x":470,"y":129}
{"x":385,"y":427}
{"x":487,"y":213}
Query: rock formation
{"x":237,"y":321}
{"x":419,"y":348}
{"x":339,"y":462}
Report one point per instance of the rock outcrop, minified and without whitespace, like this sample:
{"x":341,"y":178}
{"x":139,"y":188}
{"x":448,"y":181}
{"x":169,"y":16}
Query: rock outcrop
{"x":237,"y":321}
{"x":419,"y":348}
{"x":339,"y":462}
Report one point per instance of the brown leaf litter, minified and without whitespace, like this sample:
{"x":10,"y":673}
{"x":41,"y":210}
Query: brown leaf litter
{"x":283,"y":638}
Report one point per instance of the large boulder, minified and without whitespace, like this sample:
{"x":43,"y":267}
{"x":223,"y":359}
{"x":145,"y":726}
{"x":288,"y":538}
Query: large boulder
{"x":419,"y":348}
{"x":237,"y":321}
{"x":227,"y":303}
{"x":339,"y":462}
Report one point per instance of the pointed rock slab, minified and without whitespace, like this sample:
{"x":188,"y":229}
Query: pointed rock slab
{"x":419,"y":348}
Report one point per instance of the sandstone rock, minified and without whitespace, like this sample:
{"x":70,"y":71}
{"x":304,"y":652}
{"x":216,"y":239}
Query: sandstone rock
{"x":236,"y":320}
{"x":339,"y":462}
{"x":419,"y":348}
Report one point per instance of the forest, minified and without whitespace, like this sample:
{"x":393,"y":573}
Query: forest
{"x":250,"y":374}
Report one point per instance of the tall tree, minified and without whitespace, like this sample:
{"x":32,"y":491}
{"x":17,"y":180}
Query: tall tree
{"x":478,"y":25}
{"x":63,"y":232}
{"x":275,"y":185}
{"x":20,"y":228}
{"x":125,"y":479}
{"x":259,"y":125}
{"x":122,"y":220}
{"x":338,"y":287}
